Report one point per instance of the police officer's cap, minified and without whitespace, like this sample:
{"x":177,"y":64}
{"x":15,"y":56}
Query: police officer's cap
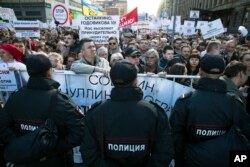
{"x":212,"y":64}
{"x":38,"y":64}
{"x":131,"y":51}
{"x":123,"y":73}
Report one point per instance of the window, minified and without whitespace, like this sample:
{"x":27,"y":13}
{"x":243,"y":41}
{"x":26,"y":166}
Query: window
{"x":33,"y":13}
{"x":246,"y":15}
{"x":63,"y":1}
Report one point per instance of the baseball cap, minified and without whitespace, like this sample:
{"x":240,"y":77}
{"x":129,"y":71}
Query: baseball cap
{"x":37,"y":64}
{"x":212,"y":64}
{"x":131,"y":51}
{"x":123,"y":73}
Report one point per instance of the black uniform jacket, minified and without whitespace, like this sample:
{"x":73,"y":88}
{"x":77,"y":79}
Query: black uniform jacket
{"x":203,"y":115}
{"x":29,"y":107}
{"x":136,"y":132}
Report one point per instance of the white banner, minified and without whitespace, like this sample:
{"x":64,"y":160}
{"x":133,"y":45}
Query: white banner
{"x":212,"y":29}
{"x":27,"y":28}
{"x":86,"y":89}
{"x":98,"y":28}
{"x":7,"y":79}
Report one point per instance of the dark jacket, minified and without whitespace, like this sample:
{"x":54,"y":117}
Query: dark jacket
{"x":133,"y":128}
{"x":206,"y":114}
{"x":29,"y":107}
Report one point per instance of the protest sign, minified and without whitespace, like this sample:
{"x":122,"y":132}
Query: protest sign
{"x":188,"y":23}
{"x":7,"y":79}
{"x":201,"y":23}
{"x":60,"y":13}
{"x":7,"y":14}
{"x":27,"y":28}
{"x":177,"y":22}
{"x":212,"y":29}
{"x":129,"y":18}
{"x":194,"y":14}
{"x":98,"y":28}
{"x":188,"y":30}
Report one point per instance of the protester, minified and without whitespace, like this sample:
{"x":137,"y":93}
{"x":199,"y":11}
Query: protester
{"x":102,"y":52}
{"x":178,"y":69}
{"x":57,"y":61}
{"x":183,"y":57}
{"x":193,"y":64}
{"x":230,"y":52}
{"x":28,"y":107}
{"x":89,"y":62}
{"x":12,"y":57}
{"x":114,"y":46}
{"x":152,"y":62}
{"x":235,"y":76}
{"x":203,"y":121}
{"x":132,"y":55}
{"x":168,"y":54}
{"x":111,"y":140}
{"x":114,"y":58}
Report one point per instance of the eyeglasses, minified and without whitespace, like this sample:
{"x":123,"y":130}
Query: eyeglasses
{"x":135,"y":56}
{"x":112,"y":43}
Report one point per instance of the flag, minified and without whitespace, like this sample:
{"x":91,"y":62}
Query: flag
{"x":90,"y":9}
{"x":129,"y":18}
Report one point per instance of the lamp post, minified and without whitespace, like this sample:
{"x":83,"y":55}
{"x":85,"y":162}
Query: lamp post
{"x":21,"y":9}
{"x":175,"y":12}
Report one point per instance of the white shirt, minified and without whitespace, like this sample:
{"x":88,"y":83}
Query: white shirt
{"x":14,"y":64}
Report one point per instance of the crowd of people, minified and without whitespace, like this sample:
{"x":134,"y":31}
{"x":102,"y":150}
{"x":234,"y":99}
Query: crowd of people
{"x":223,"y":64}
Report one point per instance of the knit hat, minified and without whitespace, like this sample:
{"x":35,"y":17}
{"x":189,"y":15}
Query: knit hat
{"x":123,"y":73}
{"x":37,"y":64}
{"x":212,"y":64}
{"x":13,"y":51}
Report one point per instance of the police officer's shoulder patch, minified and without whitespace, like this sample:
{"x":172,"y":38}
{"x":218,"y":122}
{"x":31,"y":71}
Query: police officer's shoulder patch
{"x":186,"y":95}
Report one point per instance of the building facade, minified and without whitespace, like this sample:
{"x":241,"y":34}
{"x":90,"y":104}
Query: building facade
{"x":38,"y":9}
{"x":41,"y":9}
{"x":233,"y":13}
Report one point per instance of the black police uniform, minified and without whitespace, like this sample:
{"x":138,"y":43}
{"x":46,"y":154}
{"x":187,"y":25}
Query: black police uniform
{"x":136,"y":132}
{"x":204,"y":115}
{"x":29,"y":107}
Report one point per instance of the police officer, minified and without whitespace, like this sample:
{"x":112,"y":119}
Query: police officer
{"x":203,"y":121}
{"x":126,"y":131}
{"x":29,"y":107}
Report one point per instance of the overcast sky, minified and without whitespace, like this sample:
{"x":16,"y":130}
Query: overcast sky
{"x":147,"y":6}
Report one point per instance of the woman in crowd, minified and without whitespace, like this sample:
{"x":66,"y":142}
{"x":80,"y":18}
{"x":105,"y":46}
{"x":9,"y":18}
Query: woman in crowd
{"x":193,"y":64}
{"x":114,"y":58}
{"x":12,"y":57}
{"x":102,"y":52}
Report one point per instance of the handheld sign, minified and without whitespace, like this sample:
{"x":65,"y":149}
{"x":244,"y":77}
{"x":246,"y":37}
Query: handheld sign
{"x":7,"y":79}
{"x":60,"y":14}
